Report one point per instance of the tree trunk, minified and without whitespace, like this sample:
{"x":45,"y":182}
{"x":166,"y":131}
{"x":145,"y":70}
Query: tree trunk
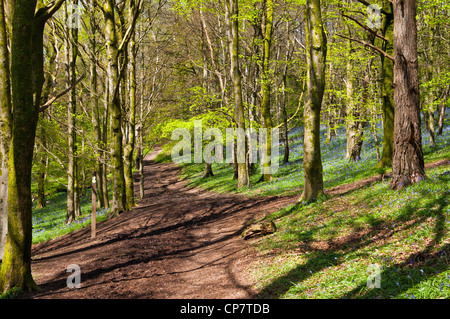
{"x":208,"y":171}
{"x":316,"y":46}
{"x":131,"y":139}
{"x":71,"y":59}
{"x":16,"y":266}
{"x":119,"y":190}
{"x":95,"y":105}
{"x":232,"y":13}
{"x":387,"y":78}
{"x":408,"y":163}
{"x":265,"y":88}
{"x":284,"y":102}
{"x":441,"y":118}
{"x":5,"y":129}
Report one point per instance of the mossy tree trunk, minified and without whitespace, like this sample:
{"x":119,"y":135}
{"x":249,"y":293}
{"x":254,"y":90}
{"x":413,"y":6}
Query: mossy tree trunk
{"x":71,"y":57}
{"x":119,"y":190}
{"x":27,"y":78}
{"x":16,"y":266}
{"x":353,"y":124}
{"x":5,"y":128}
{"x":316,"y":45}
{"x":95,"y":104}
{"x":408,"y":162}
{"x":232,"y":13}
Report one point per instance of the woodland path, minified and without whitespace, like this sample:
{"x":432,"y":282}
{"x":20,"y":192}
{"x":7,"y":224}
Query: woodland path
{"x":180,"y":242}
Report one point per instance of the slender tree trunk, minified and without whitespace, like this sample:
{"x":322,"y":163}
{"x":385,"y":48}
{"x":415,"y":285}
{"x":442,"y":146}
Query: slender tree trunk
{"x":131,"y":140}
{"x":104,"y":154}
{"x":95,"y":105}
{"x":266,"y":87}
{"x":284,"y":102}
{"x":316,"y":45}
{"x":5,"y":128}
{"x":441,"y":118}
{"x":140,"y":157}
{"x":16,"y":266}
{"x":387,"y":78}
{"x":119,"y":190}
{"x":71,"y":56}
{"x":354,"y":124}
{"x":232,"y":14}
{"x":408,"y":163}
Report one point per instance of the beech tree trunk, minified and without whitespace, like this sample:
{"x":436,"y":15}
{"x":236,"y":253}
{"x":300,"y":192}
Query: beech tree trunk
{"x":119,"y":191}
{"x":16,"y":266}
{"x":387,"y":78}
{"x":408,"y":163}
{"x":5,"y":128}
{"x":232,"y":13}
{"x":71,"y":56}
{"x":95,"y":104}
{"x":316,"y":46}
{"x":266,"y":87}
{"x":131,"y":138}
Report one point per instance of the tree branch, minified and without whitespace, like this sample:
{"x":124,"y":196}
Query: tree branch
{"x":48,"y":11}
{"x":366,"y":28}
{"x":367,"y":44}
{"x":54,"y":98}
{"x":130,"y":30}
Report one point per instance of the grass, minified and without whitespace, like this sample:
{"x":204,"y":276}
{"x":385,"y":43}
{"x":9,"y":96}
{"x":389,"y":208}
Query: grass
{"x":330,"y":248}
{"x":324,"y":250}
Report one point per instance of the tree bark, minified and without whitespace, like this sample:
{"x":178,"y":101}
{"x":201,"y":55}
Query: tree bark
{"x":95,"y":104}
{"x":316,"y":45}
{"x":5,"y":128}
{"x":408,"y":163}
{"x":119,"y":190}
{"x":131,"y":138}
{"x":265,"y":88}
{"x":16,"y":266}
{"x":71,"y":59}
{"x":387,"y":78}
{"x":232,"y":13}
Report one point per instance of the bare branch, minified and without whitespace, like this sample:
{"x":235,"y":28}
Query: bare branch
{"x":367,"y":44}
{"x":366,"y":28}
{"x":54,"y":98}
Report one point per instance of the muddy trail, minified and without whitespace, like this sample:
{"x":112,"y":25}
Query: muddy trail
{"x":179,"y":243}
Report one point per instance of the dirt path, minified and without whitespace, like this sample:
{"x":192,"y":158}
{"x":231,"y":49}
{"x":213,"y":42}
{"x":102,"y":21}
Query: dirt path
{"x":178,"y":243}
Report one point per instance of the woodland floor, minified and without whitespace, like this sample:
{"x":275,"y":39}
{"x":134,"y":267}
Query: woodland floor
{"x":179,"y":243}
